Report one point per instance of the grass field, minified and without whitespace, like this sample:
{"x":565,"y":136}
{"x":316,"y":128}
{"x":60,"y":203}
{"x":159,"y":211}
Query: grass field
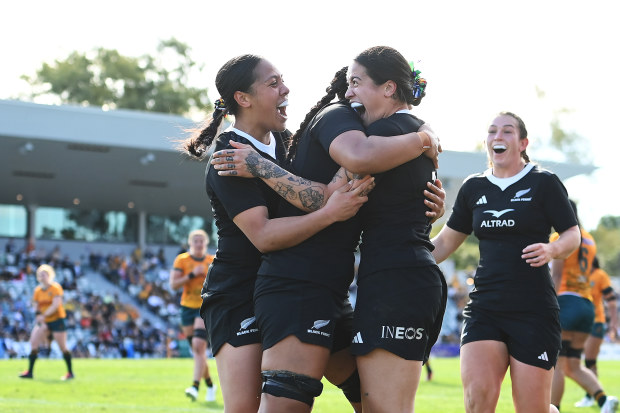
{"x":157,"y":385}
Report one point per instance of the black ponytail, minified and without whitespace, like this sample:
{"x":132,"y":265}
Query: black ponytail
{"x":197,"y":145}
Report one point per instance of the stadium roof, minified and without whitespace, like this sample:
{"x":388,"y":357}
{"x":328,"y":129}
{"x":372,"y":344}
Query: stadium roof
{"x":107,"y":159}
{"x":51,"y":155}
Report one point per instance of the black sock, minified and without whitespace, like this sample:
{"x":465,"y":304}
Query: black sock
{"x":31,"y":359}
{"x":600,"y":397}
{"x":208,"y":382}
{"x":196,"y":384}
{"x":588,"y":396}
{"x":67,"y":357}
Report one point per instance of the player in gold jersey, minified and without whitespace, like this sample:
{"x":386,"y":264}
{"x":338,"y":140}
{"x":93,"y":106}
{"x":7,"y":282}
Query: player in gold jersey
{"x":572,"y":280}
{"x":603,"y":296}
{"x":50,"y":317}
{"x":189,"y":271}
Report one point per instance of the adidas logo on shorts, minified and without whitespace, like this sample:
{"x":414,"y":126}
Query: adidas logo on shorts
{"x":543,"y":356}
{"x":358,"y":338}
{"x":482,"y":200}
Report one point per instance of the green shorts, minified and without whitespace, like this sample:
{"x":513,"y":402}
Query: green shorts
{"x":57,"y":326}
{"x":576,"y":313}
{"x":188,"y":315}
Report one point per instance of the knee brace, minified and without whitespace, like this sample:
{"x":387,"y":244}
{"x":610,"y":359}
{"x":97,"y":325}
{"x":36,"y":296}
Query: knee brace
{"x":351,"y":388}
{"x":564,"y":348}
{"x":200,"y":333}
{"x":590,"y":363}
{"x":574,"y":353}
{"x":283,"y":383}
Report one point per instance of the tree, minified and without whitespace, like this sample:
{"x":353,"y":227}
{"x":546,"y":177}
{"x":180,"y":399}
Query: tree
{"x":607,"y":236}
{"x":105,"y":78}
{"x":570,"y":143}
{"x":563,"y":142}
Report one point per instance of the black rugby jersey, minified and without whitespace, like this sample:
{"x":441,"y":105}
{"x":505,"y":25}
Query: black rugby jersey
{"x":326,"y":257}
{"x":394,"y":222}
{"x":237,"y":260}
{"x":506,"y":221}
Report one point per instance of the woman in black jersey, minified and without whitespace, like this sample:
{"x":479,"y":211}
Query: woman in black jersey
{"x":512,"y":318}
{"x":401,"y":291}
{"x":253,"y":91}
{"x":310,"y":281}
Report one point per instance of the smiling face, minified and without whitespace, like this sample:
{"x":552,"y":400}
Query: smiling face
{"x":504,"y":144}
{"x":268,"y":98}
{"x":363,"y":92}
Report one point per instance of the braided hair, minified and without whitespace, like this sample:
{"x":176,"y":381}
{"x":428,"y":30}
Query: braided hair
{"x":236,"y":75}
{"x":337,"y":88}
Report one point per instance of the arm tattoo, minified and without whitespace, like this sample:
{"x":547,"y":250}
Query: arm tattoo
{"x":311,"y":198}
{"x":299,"y":181}
{"x":262,"y":168}
{"x":337,"y":176}
{"x":285,"y":191}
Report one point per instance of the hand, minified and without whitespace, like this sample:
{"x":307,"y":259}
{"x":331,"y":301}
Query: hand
{"x":348,"y":199}
{"x":435,"y":200}
{"x":435,"y":149}
{"x":39,"y":319}
{"x":235,"y":162}
{"x":367,"y":181}
{"x":538,"y":254}
{"x":199,"y":270}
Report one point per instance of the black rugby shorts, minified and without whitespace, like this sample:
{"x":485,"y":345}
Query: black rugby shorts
{"x":229,"y":318}
{"x":533,"y":338}
{"x":312,"y":312}
{"x":399,"y":310}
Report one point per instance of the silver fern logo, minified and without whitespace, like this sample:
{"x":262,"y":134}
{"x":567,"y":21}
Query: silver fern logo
{"x":317,"y":325}
{"x":247,"y":322}
{"x":320,"y":323}
{"x":519,"y":196}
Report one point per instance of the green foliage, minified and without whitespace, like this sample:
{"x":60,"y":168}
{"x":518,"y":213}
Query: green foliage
{"x":157,"y":385}
{"x":153,"y":82}
{"x":610,"y":222}
{"x":607,"y":236}
{"x":466,"y":256}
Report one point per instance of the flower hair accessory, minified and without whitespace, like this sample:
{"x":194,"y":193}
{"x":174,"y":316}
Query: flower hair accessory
{"x":220,"y":105}
{"x":419,"y":83}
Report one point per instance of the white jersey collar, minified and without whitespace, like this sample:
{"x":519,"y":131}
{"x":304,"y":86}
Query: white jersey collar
{"x":269,"y":149}
{"x":504,"y":183}
{"x":408,"y":111}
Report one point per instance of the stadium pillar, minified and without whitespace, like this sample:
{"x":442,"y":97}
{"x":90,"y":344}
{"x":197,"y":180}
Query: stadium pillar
{"x":31,"y":211}
{"x":142,"y":229}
